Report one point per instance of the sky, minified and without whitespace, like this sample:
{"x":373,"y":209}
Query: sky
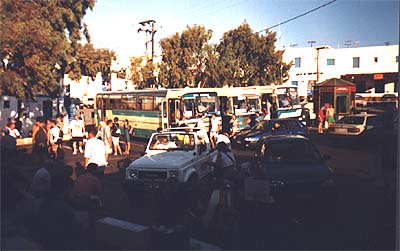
{"x":114,"y":24}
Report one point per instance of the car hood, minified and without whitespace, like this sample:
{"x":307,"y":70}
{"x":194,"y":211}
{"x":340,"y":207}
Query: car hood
{"x":299,"y":173}
{"x":164,"y":160}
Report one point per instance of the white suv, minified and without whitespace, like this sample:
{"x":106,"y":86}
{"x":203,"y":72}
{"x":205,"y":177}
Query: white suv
{"x":177,"y":155}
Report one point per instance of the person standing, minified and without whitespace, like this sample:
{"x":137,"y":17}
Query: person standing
{"x":215,"y":128}
{"x":39,"y":140}
{"x":115,"y":134}
{"x":127,"y":135}
{"x":321,"y":119}
{"x":330,"y":115}
{"x":77,"y":131}
{"x":95,"y":151}
{"x":107,"y":138}
{"x":54,"y":136}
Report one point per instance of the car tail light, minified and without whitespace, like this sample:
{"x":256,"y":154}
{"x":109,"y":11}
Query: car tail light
{"x":353,"y":130}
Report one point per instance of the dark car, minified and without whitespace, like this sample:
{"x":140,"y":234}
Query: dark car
{"x":248,"y":138}
{"x":294,"y":165}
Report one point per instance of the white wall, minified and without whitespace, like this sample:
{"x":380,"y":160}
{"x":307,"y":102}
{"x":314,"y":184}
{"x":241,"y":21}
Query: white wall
{"x":343,"y":62}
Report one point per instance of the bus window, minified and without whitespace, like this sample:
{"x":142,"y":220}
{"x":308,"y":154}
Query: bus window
{"x":158,"y":101}
{"x":124,"y":102}
{"x":164,"y":109}
{"x":146,"y":102}
{"x":131,"y":102}
{"x":115,"y":103}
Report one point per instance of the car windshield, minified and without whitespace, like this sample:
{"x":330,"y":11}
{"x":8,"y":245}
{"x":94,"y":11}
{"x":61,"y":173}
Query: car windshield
{"x":352,"y":120}
{"x":290,"y":152}
{"x":173,"y":141}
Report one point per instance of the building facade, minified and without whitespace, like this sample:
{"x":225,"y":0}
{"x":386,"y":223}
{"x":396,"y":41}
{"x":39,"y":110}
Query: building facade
{"x":372,"y":69}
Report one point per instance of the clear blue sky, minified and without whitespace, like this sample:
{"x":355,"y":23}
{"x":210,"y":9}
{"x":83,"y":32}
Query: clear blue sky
{"x":114,"y":23}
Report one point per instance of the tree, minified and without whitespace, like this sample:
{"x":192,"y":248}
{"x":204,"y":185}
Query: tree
{"x":183,"y":57}
{"x":89,"y":61}
{"x":39,"y":39}
{"x":247,"y":58}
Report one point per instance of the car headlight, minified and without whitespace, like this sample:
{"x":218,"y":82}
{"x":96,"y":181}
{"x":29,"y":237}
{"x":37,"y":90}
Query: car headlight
{"x":250,"y":139}
{"x":173,"y":174}
{"x":133,"y":174}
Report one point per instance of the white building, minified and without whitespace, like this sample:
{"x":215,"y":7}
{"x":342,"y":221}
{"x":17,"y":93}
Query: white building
{"x":372,"y":68}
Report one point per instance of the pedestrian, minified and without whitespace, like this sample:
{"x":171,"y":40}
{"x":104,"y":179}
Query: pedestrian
{"x":128,"y":131}
{"x":215,"y":129}
{"x":107,"y":138}
{"x":101,"y":128}
{"x":95,"y":151}
{"x":39,"y":140}
{"x":235,"y":125}
{"x":321,"y":119}
{"x":330,"y":115}
{"x":77,"y":131}
{"x":54,"y":136}
{"x":115,"y":134}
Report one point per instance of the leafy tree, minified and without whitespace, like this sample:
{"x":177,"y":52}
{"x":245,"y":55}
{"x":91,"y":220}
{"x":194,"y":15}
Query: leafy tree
{"x":39,"y":40}
{"x":184,"y":57}
{"x":89,"y":61}
{"x":247,"y":58}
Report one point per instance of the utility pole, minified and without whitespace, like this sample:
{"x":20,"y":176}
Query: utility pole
{"x":148,"y":27}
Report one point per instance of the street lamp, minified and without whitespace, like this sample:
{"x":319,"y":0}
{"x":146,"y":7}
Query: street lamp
{"x":311,"y":42}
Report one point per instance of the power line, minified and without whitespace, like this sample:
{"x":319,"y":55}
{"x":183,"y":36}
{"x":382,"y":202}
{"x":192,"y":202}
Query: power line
{"x":291,"y":19}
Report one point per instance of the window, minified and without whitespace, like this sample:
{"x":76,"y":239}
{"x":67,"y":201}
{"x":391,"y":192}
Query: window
{"x":6,"y":104}
{"x":376,"y":59}
{"x":146,"y":103}
{"x":297,"y":62}
{"x":397,"y":59}
{"x":295,"y":83}
{"x":330,"y":61}
{"x":356,"y":62}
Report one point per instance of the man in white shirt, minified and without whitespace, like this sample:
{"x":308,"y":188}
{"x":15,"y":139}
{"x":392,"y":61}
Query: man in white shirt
{"x":77,"y":130}
{"x":95,"y":150}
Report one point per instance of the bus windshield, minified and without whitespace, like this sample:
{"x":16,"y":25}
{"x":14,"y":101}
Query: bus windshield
{"x":196,"y":104}
{"x":287,"y":97}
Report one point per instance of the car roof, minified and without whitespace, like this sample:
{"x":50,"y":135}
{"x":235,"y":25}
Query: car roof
{"x":361,"y":115}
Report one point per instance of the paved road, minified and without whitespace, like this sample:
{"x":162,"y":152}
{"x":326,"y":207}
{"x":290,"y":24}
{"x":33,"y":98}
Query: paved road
{"x":362,"y":216}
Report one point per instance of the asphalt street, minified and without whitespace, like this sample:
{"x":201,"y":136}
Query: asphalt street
{"x":361,"y":215}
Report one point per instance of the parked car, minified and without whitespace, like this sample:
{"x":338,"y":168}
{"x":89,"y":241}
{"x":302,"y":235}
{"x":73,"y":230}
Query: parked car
{"x":356,"y":124}
{"x":176,"y":156}
{"x":294,"y":165}
{"x":248,"y":138}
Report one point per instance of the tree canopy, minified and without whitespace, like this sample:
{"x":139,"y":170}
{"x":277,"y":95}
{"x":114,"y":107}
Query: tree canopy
{"x":241,"y":58}
{"x":40,"y":41}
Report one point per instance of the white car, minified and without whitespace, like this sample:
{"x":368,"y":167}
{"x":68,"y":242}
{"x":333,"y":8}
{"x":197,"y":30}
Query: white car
{"x":177,"y":155}
{"x":356,"y":124}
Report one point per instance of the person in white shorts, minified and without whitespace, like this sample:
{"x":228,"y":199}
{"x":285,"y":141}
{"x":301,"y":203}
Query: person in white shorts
{"x":77,"y":130}
{"x":215,"y":128}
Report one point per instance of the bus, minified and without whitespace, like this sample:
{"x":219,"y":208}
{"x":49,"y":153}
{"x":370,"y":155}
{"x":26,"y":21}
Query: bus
{"x":378,"y":101}
{"x":148,"y":110}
